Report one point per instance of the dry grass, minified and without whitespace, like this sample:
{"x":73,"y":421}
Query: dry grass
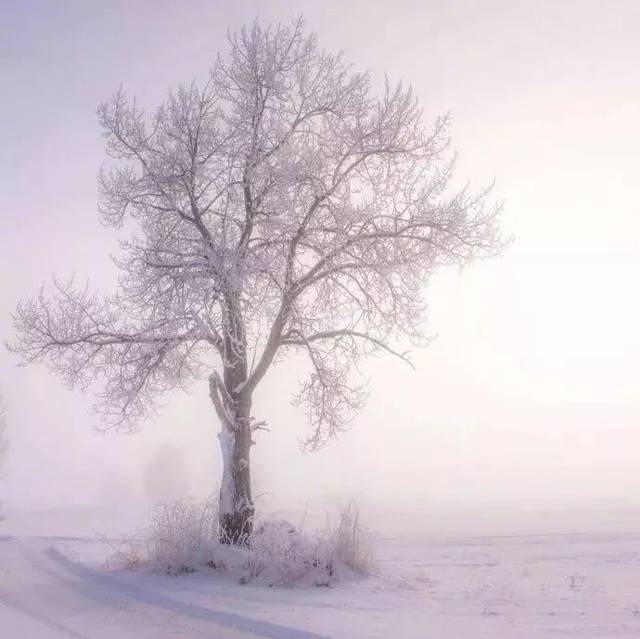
{"x":182,"y":537}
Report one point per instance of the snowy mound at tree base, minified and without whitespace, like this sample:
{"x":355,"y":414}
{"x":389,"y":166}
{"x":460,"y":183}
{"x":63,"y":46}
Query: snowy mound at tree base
{"x":183,"y":537}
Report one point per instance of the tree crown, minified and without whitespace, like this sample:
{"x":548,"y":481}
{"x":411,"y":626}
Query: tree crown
{"x":281,"y":205}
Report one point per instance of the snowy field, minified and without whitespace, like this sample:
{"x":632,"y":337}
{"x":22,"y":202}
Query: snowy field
{"x":54,"y":584}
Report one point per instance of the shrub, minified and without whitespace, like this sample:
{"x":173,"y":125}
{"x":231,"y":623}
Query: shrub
{"x":182,"y":537}
{"x":279,"y":554}
{"x":350,"y":542}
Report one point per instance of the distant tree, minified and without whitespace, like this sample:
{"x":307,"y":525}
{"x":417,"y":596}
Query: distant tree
{"x":4,"y":443}
{"x":165,"y":476}
{"x":280,"y":206}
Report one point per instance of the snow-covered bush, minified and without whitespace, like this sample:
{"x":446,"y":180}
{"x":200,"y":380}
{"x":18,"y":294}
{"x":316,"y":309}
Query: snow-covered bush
{"x":281,"y":555}
{"x":182,"y":537}
{"x":350,"y":542}
{"x":126,"y":555}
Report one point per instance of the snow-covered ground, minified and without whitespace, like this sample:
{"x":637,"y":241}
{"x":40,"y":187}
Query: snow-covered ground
{"x":54,"y":584}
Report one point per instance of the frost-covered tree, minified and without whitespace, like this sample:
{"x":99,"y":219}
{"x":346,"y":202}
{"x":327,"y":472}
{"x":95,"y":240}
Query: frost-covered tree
{"x":4,"y":443}
{"x":282,"y":205}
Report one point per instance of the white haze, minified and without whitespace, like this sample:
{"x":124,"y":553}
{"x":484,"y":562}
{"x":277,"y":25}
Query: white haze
{"x":530,"y":395}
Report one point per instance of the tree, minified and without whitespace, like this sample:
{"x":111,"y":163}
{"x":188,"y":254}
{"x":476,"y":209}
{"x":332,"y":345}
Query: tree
{"x":4,"y":443}
{"x":282,"y":205}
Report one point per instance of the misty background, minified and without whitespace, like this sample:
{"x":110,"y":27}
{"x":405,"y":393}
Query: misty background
{"x":529,"y":398}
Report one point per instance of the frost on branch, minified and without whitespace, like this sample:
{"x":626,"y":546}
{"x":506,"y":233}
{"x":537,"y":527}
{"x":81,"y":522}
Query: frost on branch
{"x":85,"y":338}
{"x":331,"y":398}
{"x":282,"y":205}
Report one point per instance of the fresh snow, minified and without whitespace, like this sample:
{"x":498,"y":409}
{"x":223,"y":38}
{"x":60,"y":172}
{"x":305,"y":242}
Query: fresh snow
{"x":429,"y":585}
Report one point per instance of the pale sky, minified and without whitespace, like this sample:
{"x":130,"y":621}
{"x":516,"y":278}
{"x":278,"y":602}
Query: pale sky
{"x":531,"y":390}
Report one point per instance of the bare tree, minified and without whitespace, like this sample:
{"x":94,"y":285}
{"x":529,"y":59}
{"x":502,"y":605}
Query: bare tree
{"x":4,"y":443}
{"x":282,"y":205}
{"x":4,"y":440}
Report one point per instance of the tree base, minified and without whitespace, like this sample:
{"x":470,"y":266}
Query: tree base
{"x":236,"y":528}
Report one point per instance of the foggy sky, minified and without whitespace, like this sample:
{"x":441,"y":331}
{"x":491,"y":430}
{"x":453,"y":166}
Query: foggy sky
{"x":531,"y":390}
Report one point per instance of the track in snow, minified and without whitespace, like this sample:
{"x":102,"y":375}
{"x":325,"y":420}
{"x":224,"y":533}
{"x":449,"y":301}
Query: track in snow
{"x":46,"y":595}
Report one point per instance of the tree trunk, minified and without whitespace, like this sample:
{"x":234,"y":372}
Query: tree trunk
{"x":233,"y":405}
{"x":236,"y":503}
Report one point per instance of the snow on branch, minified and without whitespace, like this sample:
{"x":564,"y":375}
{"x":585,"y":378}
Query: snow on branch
{"x":343,"y":332}
{"x":282,"y":202}
{"x":330,"y":397}
{"x":82,"y":337}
